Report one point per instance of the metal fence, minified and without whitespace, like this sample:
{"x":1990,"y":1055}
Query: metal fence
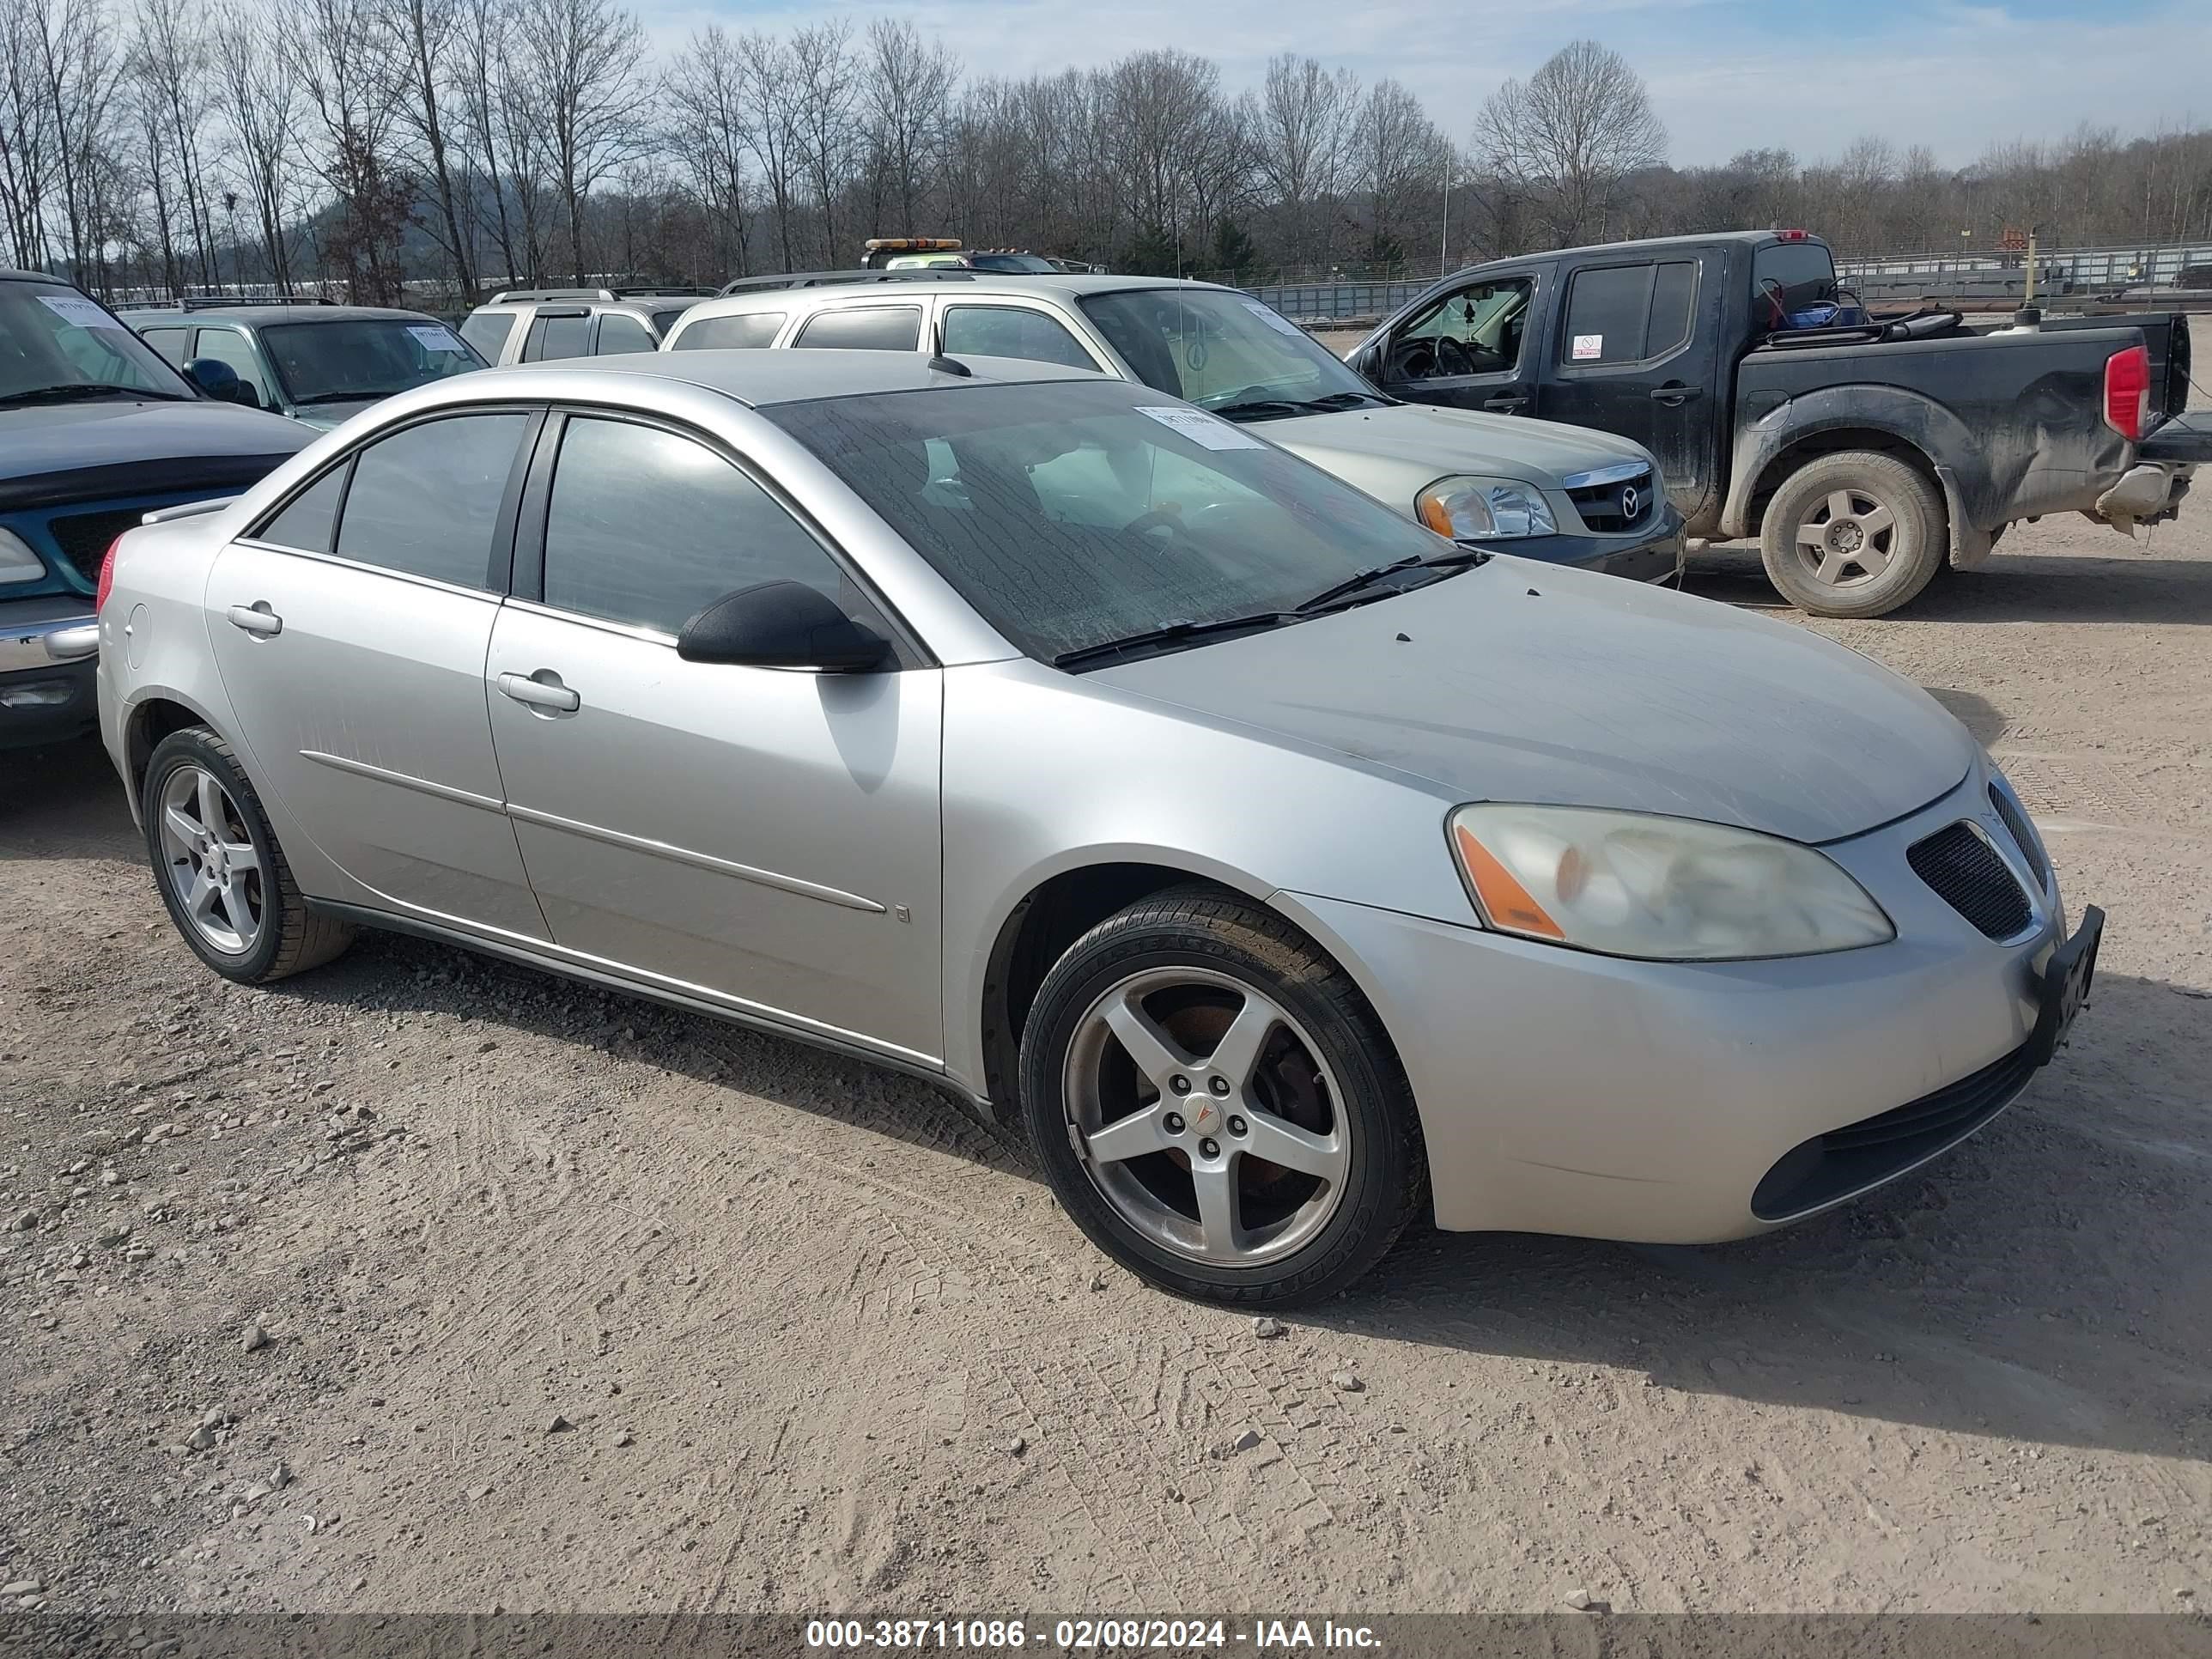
{"x":1328,"y":303}
{"x":2082,"y":269}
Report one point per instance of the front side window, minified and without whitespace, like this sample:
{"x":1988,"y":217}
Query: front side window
{"x":488,"y":331}
{"x":232,"y":348}
{"x":1012,"y":331}
{"x":864,"y":328}
{"x":650,"y":528}
{"x":1486,"y":322}
{"x":426,"y":500}
{"x":747,"y":330}
{"x":1222,"y":350}
{"x":363,"y":358}
{"x":57,"y":345}
{"x":621,"y":333}
{"x":557,"y":335}
{"x":1074,"y":514}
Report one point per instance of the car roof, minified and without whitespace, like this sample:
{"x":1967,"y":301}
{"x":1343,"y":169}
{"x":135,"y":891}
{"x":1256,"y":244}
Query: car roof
{"x":1655,"y":244}
{"x":644,"y":305}
{"x":263,"y":316}
{"x":967,"y":284}
{"x":761,"y":378}
{"x":36,"y":276}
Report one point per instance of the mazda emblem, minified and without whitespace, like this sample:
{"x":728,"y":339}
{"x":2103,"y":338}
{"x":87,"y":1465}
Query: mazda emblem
{"x":1630,"y":502}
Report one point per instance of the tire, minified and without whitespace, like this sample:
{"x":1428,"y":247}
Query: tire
{"x":254,"y":926}
{"x":1857,"y":533}
{"x":1207,"y":970}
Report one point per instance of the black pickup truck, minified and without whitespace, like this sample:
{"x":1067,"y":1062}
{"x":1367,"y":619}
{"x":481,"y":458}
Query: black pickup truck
{"x":1861,"y":451}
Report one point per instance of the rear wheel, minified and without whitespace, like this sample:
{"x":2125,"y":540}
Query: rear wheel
{"x":1216,"y":1105}
{"x":219,"y":871}
{"x":1853,"y":534}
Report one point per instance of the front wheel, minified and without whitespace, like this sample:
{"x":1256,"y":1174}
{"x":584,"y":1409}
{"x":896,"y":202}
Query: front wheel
{"x":1857,"y":533}
{"x":1216,"y":1106}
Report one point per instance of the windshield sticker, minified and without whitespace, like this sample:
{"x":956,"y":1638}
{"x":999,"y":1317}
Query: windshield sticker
{"x":1200,"y":428}
{"x":83,"y":312}
{"x":435,"y":338}
{"x":1274,"y":319}
{"x":1589,"y":345}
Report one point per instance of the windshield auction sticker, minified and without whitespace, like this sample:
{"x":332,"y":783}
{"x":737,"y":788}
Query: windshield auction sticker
{"x":1199,"y":426}
{"x":435,"y":338}
{"x":1274,"y":319}
{"x":83,"y":312}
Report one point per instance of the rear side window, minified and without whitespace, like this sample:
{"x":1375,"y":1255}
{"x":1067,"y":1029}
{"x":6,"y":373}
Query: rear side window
{"x":864,"y":328}
{"x":1627,"y":313}
{"x":426,"y":500}
{"x":306,"y":523}
{"x":650,"y":528}
{"x":1788,"y":276}
{"x":170,"y":343}
{"x":488,"y":331}
{"x":1012,"y":331}
{"x":750,"y":330}
{"x":557,"y":336}
{"x":621,"y":332}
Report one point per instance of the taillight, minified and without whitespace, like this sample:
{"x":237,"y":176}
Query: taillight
{"x":106,"y":576}
{"x":2127,"y":392}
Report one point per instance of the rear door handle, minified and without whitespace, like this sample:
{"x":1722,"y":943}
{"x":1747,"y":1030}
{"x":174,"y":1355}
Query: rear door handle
{"x":1504,"y":403}
{"x":256,"y":618}
{"x":547,"y":693}
{"x":1673,"y":396}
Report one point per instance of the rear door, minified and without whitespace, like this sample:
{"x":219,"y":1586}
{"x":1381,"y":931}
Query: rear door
{"x":1632,"y":352}
{"x":766,"y":837}
{"x":1470,"y":347}
{"x":350,"y":628}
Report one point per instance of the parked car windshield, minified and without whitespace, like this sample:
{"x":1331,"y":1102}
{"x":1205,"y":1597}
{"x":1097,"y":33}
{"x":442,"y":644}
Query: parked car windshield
{"x":1223,"y":352}
{"x":57,"y":344}
{"x":1023,"y":265}
{"x":1072,"y":514}
{"x":363,"y":357}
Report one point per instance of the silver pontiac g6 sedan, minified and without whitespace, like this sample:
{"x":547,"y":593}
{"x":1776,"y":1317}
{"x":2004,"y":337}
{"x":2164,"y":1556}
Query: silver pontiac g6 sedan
{"x":1288,"y":870}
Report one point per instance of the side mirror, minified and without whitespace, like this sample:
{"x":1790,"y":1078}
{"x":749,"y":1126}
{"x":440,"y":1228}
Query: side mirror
{"x":219,"y":380}
{"x":781,"y":624}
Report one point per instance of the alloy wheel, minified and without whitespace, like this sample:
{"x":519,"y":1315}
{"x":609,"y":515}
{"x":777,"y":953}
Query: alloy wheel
{"x":209,"y":861}
{"x":1847,"y":538}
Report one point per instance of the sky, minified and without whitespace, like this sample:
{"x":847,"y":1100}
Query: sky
{"x":1724,"y":76}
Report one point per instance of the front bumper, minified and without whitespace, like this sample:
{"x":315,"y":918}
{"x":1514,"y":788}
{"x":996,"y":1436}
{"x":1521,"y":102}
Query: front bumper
{"x":48,"y":650}
{"x":1562,"y":1091}
{"x":1653,"y":555}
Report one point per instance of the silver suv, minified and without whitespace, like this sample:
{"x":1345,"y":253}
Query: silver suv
{"x":534,"y":325}
{"x":1564,"y":493}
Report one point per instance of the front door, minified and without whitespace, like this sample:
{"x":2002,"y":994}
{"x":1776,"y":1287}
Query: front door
{"x":1625,"y":358}
{"x":351,"y":630}
{"x":766,"y":838}
{"x":1472,"y":347}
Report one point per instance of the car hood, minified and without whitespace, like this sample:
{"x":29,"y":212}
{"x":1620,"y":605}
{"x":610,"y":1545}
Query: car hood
{"x":1518,"y":681}
{"x":59,"y":452}
{"x":1425,"y":444}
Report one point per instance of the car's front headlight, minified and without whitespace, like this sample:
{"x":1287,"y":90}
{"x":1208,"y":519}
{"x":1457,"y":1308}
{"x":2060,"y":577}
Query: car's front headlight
{"x":1484,"y":509}
{"x":1670,"y":890}
{"x":18,"y":563}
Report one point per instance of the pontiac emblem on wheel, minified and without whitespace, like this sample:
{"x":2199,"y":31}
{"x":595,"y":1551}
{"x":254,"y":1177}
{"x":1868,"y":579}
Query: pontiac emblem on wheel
{"x":1206,"y":1118}
{"x":1629,"y":501}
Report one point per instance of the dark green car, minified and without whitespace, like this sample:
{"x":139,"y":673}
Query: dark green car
{"x":317,"y":362}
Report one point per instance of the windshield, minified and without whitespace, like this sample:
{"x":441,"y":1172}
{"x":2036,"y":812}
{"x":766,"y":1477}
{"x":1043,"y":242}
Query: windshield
{"x":363,"y":357}
{"x":1020,"y":264}
{"x":53,"y":337}
{"x":1220,"y":349}
{"x":1072,"y":514}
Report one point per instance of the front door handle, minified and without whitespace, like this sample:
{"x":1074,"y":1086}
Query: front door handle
{"x":1505,"y":403}
{"x":546,"y":693}
{"x":1674,"y":394}
{"x":256,"y":618}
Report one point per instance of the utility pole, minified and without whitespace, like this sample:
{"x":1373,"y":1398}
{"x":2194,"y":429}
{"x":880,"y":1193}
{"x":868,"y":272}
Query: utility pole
{"x":1443,"y":242}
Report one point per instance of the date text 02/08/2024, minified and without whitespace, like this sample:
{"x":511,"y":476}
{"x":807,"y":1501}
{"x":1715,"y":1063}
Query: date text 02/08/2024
{"x":1075,"y":1635}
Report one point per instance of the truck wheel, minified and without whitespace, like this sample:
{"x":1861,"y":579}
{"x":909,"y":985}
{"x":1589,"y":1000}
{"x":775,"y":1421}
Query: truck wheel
{"x":1853,"y":534}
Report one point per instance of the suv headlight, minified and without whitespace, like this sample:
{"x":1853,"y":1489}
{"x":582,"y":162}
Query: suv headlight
{"x":18,"y":563}
{"x":1661,"y":889}
{"x":1483,"y":509}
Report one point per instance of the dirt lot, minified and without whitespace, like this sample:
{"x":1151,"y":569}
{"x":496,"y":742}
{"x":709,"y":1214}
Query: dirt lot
{"x":427,"y":1283}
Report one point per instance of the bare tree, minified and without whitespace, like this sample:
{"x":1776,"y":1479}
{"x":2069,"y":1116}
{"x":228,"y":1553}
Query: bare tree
{"x":1570,"y":137}
{"x":771,"y":92}
{"x":1399,"y":154}
{"x":261,"y":101}
{"x":424,"y":32}
{"x":822,"y":80}
{"x":712,"y":134}
{"x":340,"y":55}
{"x":907,"y":89}
{"x":1306,"y":121}
{"x":581,"y":61}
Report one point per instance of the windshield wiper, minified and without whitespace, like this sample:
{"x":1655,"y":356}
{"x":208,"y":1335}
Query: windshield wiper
{"x":1175,"y":633}
{"x":1458,"y":559}
{"x":1253,"y":408}
{"x":56,"y":394}
{"x":1346,"y":400}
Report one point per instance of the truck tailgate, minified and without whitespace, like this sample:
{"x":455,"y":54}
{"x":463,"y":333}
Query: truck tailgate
{"x":2185,"y":440}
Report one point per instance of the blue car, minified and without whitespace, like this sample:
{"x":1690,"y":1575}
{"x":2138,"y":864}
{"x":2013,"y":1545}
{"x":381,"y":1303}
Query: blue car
{"x":95,"y":432}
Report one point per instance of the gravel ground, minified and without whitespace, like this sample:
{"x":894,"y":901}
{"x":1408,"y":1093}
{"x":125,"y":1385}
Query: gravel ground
{"x":423,"y":1282}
